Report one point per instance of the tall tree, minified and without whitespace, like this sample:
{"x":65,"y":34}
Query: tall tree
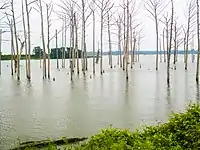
{"x":57,"y":49}
{"x":16,"y":42}
{"x":1,"y":32}
{"x":92,"y":7}
{"x":155,"y":8}
{"x":29,"y":40}
{"x":198,"y":39}
{"x":170,"y":42}
{"x":25,"y":37}
{"x":109,"y":39}
{"x":104,"y":6}
{"x":76,"y":42}
{"x":49,"y":8}
{"x":190,"y":23}
{"x":43,"y":38}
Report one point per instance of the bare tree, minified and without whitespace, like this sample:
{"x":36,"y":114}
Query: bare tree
{"x":25,"y":36}
{"x":10,"y":24}
{"x":177,"y":42}
{"x":76,"y":42}
{"x":160,"y":50}
{"x":109,"y":39}
{"x":43,"y":40}
{"x":155,"y":7}
{"x":4,"y":4}
{"x":92,"y":7}
{"x":29,"y":40}
{"x":105,"y":6}
{"x":16,"y":42}
{"x":127,"y":38}
{"x":190,"y":23}
{"x":170,"y":42}
{"x":119,"y":25}
{"x":1,"y":32}
{"x":198,"y":39}
{"x":49,"y":8}
{"x":164,"y":45}
{"x":57,"y":49}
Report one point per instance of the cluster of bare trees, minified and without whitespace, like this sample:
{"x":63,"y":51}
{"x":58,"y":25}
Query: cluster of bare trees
{"x":76,"y":15}
{"x":173,"y":35}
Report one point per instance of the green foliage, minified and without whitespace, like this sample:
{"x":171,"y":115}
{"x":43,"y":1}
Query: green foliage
{"x":181,"y":132}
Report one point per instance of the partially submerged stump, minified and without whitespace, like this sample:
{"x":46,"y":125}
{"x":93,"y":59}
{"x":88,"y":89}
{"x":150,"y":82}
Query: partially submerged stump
{"x":45,"y":143}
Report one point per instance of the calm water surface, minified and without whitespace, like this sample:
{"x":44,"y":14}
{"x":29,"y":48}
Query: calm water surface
{"x":45,"y":109}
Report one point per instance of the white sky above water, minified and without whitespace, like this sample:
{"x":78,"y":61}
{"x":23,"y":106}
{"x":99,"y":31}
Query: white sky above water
{"x":148,"y":25}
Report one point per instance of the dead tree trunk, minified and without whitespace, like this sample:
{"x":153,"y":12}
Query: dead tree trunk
{"x":160,"y":51}
{"x":76,"y":43}
{"x":109,"y":41}
{"x":1,"y":32}
{"x":57,"y":49}
{"x":131,"y":41}
{"x":93,"y":14}
{"x":127,"y":40}
{"x":43,"y":41}
{"x":175,"y":38}
{"x":25,"y":37}
{"x":65,"y":40}
{"x":16,"y":42}
{"x":119,"y":42}
{"x":164,"y":45}
{"x":29,"y":42}
{"x":12,"y":46}
{"x":191,"y":14}
{"x":170,"y":43}
{"x":198,"y":39}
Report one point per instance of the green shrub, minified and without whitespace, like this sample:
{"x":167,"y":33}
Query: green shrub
{"x":181,"y":132}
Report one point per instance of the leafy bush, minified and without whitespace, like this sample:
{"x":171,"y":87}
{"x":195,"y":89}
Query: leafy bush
{"x":181,"y":132}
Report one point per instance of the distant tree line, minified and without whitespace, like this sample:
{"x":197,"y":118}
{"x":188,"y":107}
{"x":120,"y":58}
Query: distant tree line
{"x":38,"y":52}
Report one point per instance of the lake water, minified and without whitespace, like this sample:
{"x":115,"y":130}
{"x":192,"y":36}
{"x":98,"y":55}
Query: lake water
{"x":45,"y":109}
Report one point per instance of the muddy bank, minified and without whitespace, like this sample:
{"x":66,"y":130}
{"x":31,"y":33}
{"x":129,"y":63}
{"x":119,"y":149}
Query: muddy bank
{"x":45,"y":143}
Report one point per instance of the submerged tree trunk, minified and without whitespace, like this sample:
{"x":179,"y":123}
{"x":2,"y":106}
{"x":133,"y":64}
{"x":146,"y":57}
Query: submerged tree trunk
{"x":170,"y":43}
{"x":138,"y":49}
{"x":25,"y":38}
{"x":93,"y":13}
{"x":29,"y":42}
{"x":119,"y":43}
{"x":65,"y":41}
{"x":76,"y":43}
{"x":157,"y":38}
{"x":0,"y":47}
{"x":57,"y":49}
{"x":198,"y":39}
{"x":164,"y":45}
{"x":175,"y":38}
{"x":127,"y":40}
{"x":101,"y":44}
{"x":63,"y":30}
{"x":175,"y":47}
{"x":48,"y":38}
{"x":109,"y":41}
{"x":12,"y":46}
{"x":131,"y":41}
{"x":43,"y":42}
{"x":160,"y":51}
{"x":16,"y":42}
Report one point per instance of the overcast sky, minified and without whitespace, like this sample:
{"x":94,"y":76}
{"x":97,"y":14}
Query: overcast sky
{"x":148,"y":25}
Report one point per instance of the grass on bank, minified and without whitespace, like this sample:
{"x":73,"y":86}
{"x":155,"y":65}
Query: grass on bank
{"x":181,"y":132}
